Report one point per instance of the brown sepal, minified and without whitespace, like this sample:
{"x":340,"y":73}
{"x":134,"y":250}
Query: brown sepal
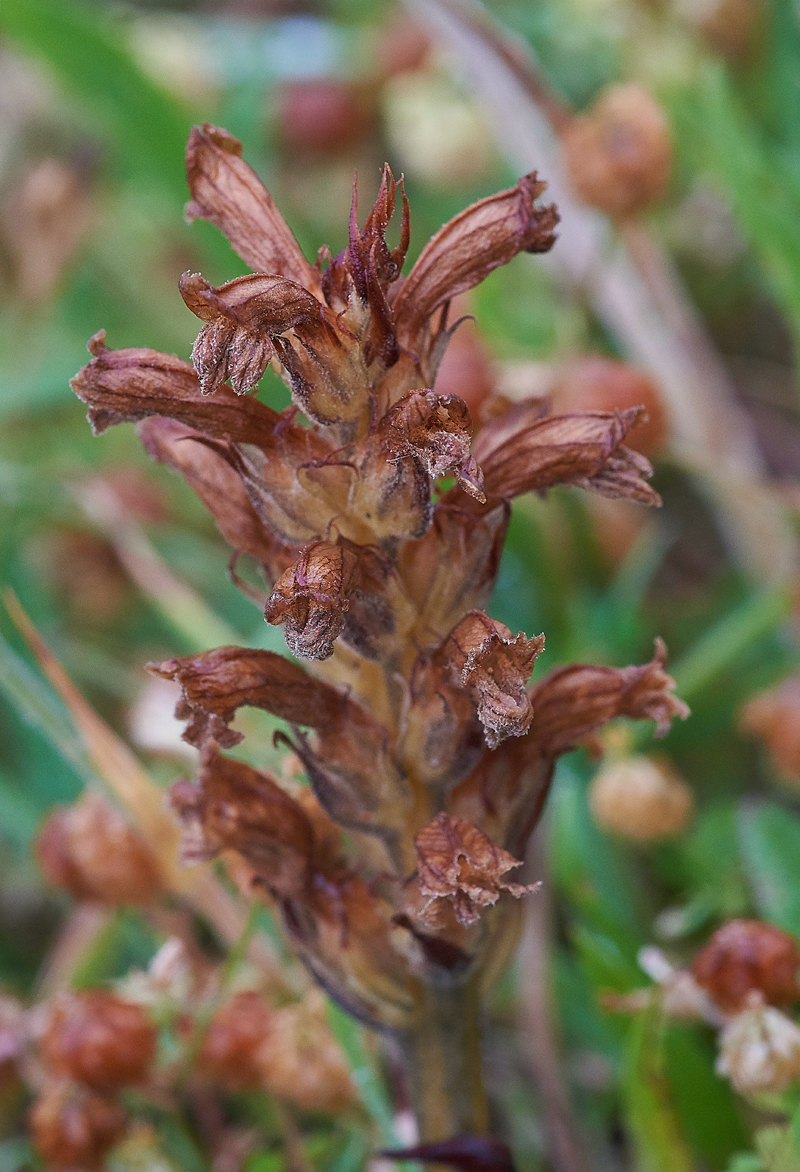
{"x":462,"y":253}
{"x":332,"y":589}
{"x":235,"y":807}
{"x":220,"y":489}
{"x":522,"y":452}
{"x":97,"y":1038}
{"x":483,"y":656}
{"x":459,"y":864}
{"x":215,"y":683}
{"x":228,"y":193}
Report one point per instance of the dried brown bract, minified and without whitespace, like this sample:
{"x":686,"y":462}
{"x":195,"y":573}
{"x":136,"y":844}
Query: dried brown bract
{"x":745,"y":956}
{"x":414,"y":720}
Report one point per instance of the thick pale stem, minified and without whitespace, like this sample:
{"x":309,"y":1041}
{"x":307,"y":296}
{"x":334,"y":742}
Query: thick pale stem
{"x":444,"y":1062}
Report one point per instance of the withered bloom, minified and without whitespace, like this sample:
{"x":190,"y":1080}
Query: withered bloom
{"x":744,"y":956}
{"x":412,"y":713}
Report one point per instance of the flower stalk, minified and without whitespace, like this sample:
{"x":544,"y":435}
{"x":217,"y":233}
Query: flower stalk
{"x":378,"y":526}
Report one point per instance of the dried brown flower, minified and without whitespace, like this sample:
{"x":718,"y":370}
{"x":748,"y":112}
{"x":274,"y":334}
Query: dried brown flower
{"x":98,"y":1038}
{"x":759,"y":1050}
{"x":640,"y":799}
{"x":747,"y":955}
{"x":619,"y":155}
{"x":90,"y":849}
{"x":234,"y":806}
{"x":459,"y":864}
{"x":414,"y":722}
{"x":774,"y":717}
{"x":72,"y":1126}
{"x":234,"y":1040}
{"x":494,"y":666}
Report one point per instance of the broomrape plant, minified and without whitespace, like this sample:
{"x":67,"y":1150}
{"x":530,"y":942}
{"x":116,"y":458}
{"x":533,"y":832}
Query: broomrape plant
{"x":411,"y":712}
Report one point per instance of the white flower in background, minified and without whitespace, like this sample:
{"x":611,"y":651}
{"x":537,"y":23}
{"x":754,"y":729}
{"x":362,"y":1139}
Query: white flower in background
{"x":759,"y":1049}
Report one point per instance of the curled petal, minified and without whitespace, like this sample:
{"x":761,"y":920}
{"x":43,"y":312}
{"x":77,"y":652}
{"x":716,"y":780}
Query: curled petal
{"x":436,"y":430}
{"x":228,"y":193}
{"x":482,"y":237}
{"x":124,"y":386}
{"x":523,"y":452}
{"x":235,"y":807}
{"x":328,"y":585}
{"x":460,"y":864}
{"x":220,"y":489}
{"x":242,"y":318}
{"x":484,"y":657}
{"x":573,"y":701}
{"x":215,"y":683}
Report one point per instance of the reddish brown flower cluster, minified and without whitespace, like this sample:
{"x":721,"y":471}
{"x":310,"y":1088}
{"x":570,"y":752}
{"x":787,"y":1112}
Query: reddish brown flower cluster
{"x":417,"y":729}
{"x":95,"y":1044}
{"x":746,"y":956}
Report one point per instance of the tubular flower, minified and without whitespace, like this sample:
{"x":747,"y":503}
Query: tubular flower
{"x":411,"y":712}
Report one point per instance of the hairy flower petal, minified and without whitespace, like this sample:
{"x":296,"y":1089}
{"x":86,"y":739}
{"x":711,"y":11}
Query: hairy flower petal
{"x":476,"y":241}
{"x":328,"y":585}
{"x":483,"y":656}
{"x":436,"y":430}
{"x":228,"y":193}
{"x":459,"y":863}
{"x":523,"y":452}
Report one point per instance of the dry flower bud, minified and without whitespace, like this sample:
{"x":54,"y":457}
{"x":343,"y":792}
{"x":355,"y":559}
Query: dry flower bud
{"x":595,"y":383}
{"x":619,"y":155}
{"x":640,"y":799}
{"x":332,"y":590}
{"x":759,"y":1049}
{"x":774,"y":717}
{"x":98,"y":1038}
{"x":458,"y":864}
{"x":747,"y":955}
{"x":436,"y":431}
{"x":484,"y":657}
{"x":462,"y":253}
{"x":216,"y":683}
{"x":231,"y":1051}
{"x":72,"y":1126}
{"x":90,"y":849}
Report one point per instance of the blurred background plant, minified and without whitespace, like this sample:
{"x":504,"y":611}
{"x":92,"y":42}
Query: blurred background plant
{"x":670,"y":135}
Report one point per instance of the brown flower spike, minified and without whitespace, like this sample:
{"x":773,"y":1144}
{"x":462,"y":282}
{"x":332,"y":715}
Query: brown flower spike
{"x":411,"y":711}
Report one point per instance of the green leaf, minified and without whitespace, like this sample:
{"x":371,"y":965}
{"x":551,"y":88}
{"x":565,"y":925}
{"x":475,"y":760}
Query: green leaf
{"x":652,"y":1115}
{"x":769,"y":835}
{"x":78,"y":42}
{"x":704,"y":1102}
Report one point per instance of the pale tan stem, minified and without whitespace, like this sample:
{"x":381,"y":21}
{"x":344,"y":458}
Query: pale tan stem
{"x":444,"y":1062}
{"x":80,"y":932}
